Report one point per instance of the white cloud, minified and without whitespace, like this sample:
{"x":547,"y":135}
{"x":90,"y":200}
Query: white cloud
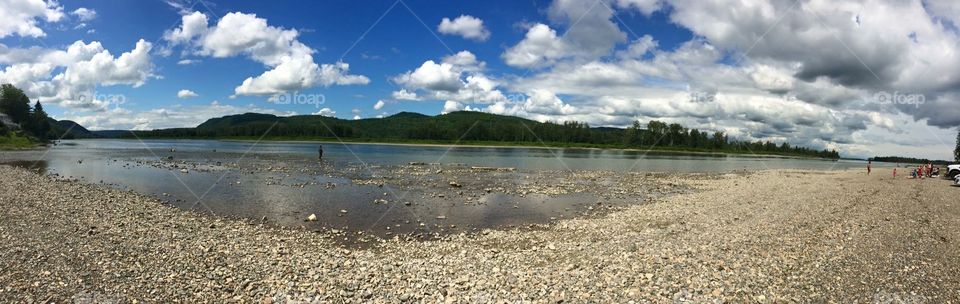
{"x":403,"y":94}
{"x":466,"y":26}
{"x":326,"y":112}
{"x":188,"y":61}
{"x":355,"y":117}
{"x":646,"y":7}
{"x":81,"y":68}
{"x":590,"y":33}
{"x":451,"y":106}
{"x":292,"y":64}
{"x":175,"y":116}
{"x":379,"y":105}
{"x":432,"y":76}
{"x":465,"y":60}
{"x":458,"y":77}
{"x":186,"y":94}
{"x":84,"y":14}
{"x":539,"y":47}
{"x":20,"y":16}
{"x":639,"y":47}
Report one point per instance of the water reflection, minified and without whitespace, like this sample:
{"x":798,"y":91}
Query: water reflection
{"x":339,"y":203}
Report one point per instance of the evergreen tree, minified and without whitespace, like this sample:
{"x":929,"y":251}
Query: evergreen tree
{"x":14,"y":103}
{"x":956,"y":151}
{"x":39,"y":121}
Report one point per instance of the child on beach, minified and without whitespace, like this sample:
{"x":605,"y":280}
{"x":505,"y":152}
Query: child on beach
{"x":869,"y":162}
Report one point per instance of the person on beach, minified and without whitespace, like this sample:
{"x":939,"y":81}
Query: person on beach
{"x":869,"y":162}
{"x":320,"y":152}
{"x":894,"y":173}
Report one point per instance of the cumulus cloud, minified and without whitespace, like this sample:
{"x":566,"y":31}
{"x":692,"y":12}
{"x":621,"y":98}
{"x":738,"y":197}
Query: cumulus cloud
{"x":175,"y":116}
{"x":451,"y":106}
{"x":540,"y":46}
{"x":432,"y":76}
{"x":84,"y":14}
{"x":646,"y":7}
{"x":326,"y":112}
{"x":186,"y":94}
{"x":69,"y":77}
{"x":403,"y":94}
{"x":20,"y":16}
{"x":237,"y":34}
{"x":379,"y":105}
{"x":857,"y":47}
{"x":458,"y":77}
{"x":466,"y":26}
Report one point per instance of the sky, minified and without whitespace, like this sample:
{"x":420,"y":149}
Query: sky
{"x":867,"y":78}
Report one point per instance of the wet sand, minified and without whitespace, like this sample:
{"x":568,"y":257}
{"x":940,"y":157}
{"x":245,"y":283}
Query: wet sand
{"x":774,"y":236}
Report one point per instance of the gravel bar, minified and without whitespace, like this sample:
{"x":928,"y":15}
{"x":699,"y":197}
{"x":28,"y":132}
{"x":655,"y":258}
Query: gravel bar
{"x":772,"y":236}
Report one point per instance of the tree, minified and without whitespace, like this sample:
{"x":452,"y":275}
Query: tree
{"x":14,"y":103}
{"x":3,"y":129}
{"x":956,"y":151}
{"x":39,"y":121}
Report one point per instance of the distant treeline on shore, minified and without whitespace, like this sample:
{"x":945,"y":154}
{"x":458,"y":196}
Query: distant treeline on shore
{"x":476,"y":127}
{"x":908,"y":160}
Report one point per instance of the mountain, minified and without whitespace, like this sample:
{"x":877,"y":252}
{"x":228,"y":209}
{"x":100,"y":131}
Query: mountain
{"x":398,"y":126}
{"x":67,"y":129}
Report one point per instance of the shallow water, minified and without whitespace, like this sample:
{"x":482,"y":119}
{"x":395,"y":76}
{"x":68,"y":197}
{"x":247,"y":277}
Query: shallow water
{"x":253,"y":189}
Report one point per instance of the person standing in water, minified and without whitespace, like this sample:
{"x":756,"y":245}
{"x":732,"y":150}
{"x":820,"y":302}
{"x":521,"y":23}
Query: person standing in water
{"x":320,"y":152}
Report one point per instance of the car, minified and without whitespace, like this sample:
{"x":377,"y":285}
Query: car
{"x":953,"y":171}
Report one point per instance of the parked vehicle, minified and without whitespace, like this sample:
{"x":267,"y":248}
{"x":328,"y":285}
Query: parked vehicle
{"x":953,"y":171}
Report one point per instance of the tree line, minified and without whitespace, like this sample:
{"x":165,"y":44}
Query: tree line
{"x":33,"y":121}
{"x":483,"y":127}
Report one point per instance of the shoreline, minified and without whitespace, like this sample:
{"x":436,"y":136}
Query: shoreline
{"x":445,"y":145}
{"x":823,"y":236}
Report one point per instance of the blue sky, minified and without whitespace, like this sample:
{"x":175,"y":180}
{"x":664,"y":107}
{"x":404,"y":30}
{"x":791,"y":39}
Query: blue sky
{"x":832,"y":75}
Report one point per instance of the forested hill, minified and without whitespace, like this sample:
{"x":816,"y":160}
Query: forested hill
{"x":909,"y":160}
{"x":476,"y":127}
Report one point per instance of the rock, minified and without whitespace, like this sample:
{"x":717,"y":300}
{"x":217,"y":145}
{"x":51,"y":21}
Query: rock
{"x":442,"y":217}
{"x":343,"y":211}
{"x":312,"y":217}
{"x":455,"y":185}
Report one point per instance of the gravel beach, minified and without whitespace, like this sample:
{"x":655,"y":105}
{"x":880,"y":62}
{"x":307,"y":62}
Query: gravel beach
{"x":773,"y":236}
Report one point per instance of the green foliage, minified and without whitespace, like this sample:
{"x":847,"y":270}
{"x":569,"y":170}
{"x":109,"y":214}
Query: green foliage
{"x":956,"y":151}
{"x":3,"y":129}
{"x":12,"y":141}
{"x":39,"y":122}
{"x":14,"y":103}
{"x":477,"y":127}
{"x":908,"y":160}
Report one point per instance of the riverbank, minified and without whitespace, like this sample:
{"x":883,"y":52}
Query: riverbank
{"x":653,"y":150}
{"x":775,"y":236}
{"x":13,"y":141}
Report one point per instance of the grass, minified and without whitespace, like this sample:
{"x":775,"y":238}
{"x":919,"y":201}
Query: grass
{"x":13,"y":141}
